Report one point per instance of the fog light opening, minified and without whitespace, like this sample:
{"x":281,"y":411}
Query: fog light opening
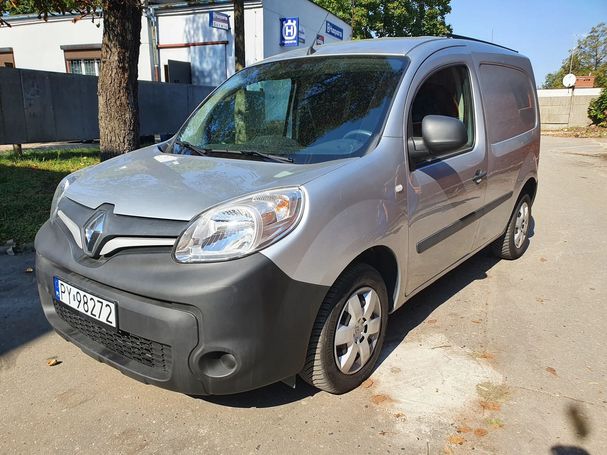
{"x":217,"y":364}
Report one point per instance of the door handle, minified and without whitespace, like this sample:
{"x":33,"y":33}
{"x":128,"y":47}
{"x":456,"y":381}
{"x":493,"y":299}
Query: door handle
{"x":479,"y":175}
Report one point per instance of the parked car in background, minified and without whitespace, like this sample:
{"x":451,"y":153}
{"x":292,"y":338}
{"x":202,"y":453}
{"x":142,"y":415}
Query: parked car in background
{"x":304,"y":200}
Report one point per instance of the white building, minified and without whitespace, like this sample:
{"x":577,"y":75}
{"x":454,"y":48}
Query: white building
{"x":200,"y":35}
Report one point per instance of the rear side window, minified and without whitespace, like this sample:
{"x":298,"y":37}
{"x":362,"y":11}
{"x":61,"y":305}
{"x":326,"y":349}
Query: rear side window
{"x":508,"y":100}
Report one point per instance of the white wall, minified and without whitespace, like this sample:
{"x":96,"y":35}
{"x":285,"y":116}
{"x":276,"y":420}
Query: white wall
{"x":37,"y":44}
{"x":550,"y":92}
{"x":311,"y":18}
{"x":209,"y":65}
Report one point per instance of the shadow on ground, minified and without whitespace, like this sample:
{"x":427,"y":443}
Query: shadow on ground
{"x":417,"y":310}
{"x":21,"y":316}
{"x":568,"y":450}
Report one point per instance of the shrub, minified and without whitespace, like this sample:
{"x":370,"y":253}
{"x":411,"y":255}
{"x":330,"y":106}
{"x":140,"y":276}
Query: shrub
{"x":597,"y":110}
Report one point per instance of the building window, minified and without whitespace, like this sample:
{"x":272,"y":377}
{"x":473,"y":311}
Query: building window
{"x":7,"y":58}
{"x":88,"y":66}
{"x":83,"y":59}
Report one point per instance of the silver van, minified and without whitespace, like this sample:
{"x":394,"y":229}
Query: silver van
{"x":309,"y":196}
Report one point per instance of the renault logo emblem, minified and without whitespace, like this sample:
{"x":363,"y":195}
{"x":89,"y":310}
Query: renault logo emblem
{"x":93,"y":230}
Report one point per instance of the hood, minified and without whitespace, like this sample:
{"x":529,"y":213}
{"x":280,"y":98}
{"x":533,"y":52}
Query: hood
{"x":149,"y":183}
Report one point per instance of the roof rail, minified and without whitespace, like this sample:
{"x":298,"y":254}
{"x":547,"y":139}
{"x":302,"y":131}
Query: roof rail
{"x":451,"y":35}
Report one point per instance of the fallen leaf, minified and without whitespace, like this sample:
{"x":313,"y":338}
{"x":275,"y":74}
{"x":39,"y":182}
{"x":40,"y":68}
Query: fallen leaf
{"x":463,"y":429}
{"x":431,"y":321}
{"x":400,"y":415}
{"x":551,"y":370}
{"x":368,"y":383}
{"x":495,"y":423}
{"x":378,"y":399}
{"x":383,"y":433}
{"x":476,"y":321}
{"x":490,"y":405}
{"x":543,"y":259}
{"x":484,"y":355}
{"x":52,"y":362}
{"x":456,"y":439}
{"x":480,"y":432}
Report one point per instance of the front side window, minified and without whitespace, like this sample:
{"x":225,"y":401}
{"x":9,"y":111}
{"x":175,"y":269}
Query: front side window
{"x":446,"y":92}
{"x":307,"y":110}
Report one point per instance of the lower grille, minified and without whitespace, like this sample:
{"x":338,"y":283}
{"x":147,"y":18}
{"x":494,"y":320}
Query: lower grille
{"x":147,"y":352}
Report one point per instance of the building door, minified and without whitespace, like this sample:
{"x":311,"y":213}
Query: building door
{"x":178,"y":72}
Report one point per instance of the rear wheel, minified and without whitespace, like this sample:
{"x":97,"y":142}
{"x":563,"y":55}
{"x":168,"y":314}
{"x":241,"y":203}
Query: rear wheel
{"x":349,"y":331}
{"x":515,"y":240}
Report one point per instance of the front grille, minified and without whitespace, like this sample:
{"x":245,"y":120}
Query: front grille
{"x":147,"y":352}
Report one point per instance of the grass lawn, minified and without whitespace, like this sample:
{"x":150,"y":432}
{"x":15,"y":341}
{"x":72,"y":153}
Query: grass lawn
{"x":27,"y":185}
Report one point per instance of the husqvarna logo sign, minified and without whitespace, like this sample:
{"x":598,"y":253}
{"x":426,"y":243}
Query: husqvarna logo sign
{"x":289,"y":31}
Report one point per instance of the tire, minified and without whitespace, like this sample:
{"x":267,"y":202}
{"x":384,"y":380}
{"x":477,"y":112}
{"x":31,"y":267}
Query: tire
{"x":360,"y":283}
{"x":515,"y":240}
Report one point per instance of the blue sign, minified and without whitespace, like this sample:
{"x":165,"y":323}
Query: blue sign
{"x":219,"y":20}
{"x":334,"y":30}
{"x":289,"y":31}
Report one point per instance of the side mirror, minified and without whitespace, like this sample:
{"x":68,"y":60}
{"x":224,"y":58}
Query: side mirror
{"x":443,"y":134}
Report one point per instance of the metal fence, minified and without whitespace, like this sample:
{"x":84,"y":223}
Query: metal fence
{"x":41,"y":106}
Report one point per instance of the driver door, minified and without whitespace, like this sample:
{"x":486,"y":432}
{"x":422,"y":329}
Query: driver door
{"x":446,"y":191}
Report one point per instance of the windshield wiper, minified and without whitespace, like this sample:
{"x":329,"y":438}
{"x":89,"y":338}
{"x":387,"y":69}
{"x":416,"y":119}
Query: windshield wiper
{"x":267,"y":156}
{"x":192,"y":147}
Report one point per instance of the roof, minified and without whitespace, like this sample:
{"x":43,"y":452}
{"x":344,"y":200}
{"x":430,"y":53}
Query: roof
{"x":390,"y":46}
{"x":377,"y":46}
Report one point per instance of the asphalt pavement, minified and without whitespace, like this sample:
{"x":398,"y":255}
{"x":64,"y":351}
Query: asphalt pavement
{"x":500,"y":357}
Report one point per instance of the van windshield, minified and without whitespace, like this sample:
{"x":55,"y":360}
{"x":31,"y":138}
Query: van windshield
{"x":304,"y":110}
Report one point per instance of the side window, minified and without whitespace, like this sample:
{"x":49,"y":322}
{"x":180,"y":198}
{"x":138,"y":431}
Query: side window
{"x":508,"y":100}
{"x":446,"y":92}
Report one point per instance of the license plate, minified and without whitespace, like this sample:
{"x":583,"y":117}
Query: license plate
{"x":94,"y":307}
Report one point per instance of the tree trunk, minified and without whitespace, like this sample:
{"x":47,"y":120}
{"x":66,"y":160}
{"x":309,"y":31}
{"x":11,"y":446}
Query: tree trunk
{"x":117,"y":89}
{"x":239,"y":34}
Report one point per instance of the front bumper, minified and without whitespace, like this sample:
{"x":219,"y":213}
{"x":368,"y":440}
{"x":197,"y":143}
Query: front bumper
{"x":194,"y":328}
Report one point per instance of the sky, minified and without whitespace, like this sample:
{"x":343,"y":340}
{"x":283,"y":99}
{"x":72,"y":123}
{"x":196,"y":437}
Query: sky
{"x":543,"y":30}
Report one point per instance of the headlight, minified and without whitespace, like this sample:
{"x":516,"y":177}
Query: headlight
{"x":240,"y":227}
{"x":60,"y":192}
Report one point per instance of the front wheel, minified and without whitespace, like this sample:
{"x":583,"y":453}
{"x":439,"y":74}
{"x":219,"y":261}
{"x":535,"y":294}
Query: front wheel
{"x":349,"y":331}
{"x":515,"y":240}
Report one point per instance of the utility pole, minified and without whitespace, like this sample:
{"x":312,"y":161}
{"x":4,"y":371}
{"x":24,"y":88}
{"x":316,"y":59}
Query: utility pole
{"x":239,"y":54}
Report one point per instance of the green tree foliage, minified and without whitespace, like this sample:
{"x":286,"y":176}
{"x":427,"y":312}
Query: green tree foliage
{"x":378,"y":18}
{"x":588,"y":58}
{"x":597,"y":110}
{"x":45,"y":8}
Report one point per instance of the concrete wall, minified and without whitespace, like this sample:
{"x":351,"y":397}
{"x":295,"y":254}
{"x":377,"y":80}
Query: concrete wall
{"x":311,"y":18}
{"x":37,"y":44}
{"x":561,"y":108}
{"x":40,"y":106}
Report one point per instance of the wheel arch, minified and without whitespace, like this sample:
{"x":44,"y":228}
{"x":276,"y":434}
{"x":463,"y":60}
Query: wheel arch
{"x":382,"y":259}
{"x":530,"y":188}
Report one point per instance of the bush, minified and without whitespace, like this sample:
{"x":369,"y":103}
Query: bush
{"x":597,"y":110}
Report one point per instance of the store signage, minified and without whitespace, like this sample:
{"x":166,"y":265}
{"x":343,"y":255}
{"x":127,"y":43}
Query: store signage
{"x":219,"y":20}
{"x":302,"y":35}
{"x":289,"y":31}
{"x":320,"y":39}
{"x":334,"y":30}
